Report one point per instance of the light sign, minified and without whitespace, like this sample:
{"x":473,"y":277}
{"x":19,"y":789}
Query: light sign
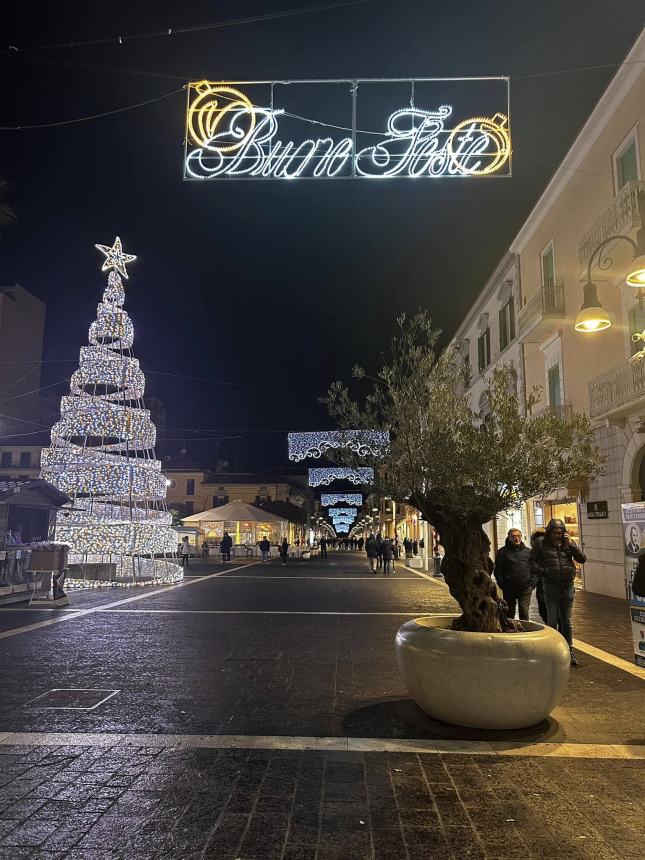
{"x":263,"y":129}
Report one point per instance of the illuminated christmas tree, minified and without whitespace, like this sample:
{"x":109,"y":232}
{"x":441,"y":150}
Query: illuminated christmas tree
{"x":102,"y":454}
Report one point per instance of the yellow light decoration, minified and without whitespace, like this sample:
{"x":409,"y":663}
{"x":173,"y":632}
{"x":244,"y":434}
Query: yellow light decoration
{"x":490,"y":131}
{"x":213,"y":105}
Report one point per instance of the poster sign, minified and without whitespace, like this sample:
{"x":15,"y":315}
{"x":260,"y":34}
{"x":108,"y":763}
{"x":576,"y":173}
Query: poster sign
{"x":422,"y":128}
{"x":634,"y":545}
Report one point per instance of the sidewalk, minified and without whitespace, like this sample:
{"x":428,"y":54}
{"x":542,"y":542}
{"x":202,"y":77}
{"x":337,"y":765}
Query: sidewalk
{"x":257,"y":713}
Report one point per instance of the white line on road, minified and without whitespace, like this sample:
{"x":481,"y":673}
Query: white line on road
{"x":268,"y":742}
{"x":72,"y":616}
{"x":250,"y":612}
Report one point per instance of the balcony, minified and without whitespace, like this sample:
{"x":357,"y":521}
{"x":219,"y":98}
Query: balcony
{"x":620,"y":217}
{"x":618,"y":391}
{"x":560,"y":410}
{"x":541,"y":312}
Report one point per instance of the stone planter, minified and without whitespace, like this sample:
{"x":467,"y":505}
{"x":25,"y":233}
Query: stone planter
{"x":482,"y":680}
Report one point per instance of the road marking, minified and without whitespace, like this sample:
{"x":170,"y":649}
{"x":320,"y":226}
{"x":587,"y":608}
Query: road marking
{"x":252,"y":612}
{"x":366,"y":578}
{"x":423,"y":746}
{"x":71,"y":616}
{"x":611,"y":659}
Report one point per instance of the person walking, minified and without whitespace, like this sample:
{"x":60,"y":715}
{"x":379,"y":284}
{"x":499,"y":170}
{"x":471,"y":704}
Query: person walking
{"x":323,"y":548}
{"x":284,"y":550}
{"x":387,"y":551}
{"x":539,"y":586}
{"x":379,"y":550}
{"x":185,"y":551}
{"x":361,"y":544}
{"x":552,"y":559}
{"x":513,"y":574}
{"x":265,"y":548}
{"x":225,"y":546}
{"x":371,"y":550}
{"x":205,"y":549}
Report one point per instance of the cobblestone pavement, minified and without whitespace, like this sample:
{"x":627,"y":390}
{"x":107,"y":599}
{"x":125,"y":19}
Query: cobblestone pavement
{"x":299,"y":652}
{"x":144,"y":802}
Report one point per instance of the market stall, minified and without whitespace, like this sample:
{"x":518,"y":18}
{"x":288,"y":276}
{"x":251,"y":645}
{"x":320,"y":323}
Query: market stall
{"x":246,"y":524}
{"x":27,"y":516}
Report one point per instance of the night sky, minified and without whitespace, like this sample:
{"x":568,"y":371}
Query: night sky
{"x":277,"y":287}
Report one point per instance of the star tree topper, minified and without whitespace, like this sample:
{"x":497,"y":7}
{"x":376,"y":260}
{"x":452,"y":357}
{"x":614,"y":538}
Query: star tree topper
{"x":115,"y":258}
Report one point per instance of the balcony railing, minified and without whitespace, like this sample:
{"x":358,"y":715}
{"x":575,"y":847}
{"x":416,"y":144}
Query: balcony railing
{"x":560,"y":410}
{"x":617,"y":388}
{"x":623,"y":213}
{"x":546,"y":302}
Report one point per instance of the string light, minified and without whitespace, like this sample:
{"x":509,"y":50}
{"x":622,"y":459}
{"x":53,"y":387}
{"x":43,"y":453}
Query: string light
{"x":343,"y":512}
{"x":228,"y":136}
{"x":314,"y":444}
{"x":101,"y":452}
{"x":328,"y":499}
{"x":324,"y":477}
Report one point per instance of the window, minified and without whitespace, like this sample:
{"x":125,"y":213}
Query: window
{"x":626,"y":167}
{"x":262,"y":498}
{"x":548,"y":266}
{"x":507,"y":324}
{"x":483,"y":349}
{"x":219,"y":500}
{"x":25,"y":459}
{"x":190,"y":486}
{"x":555,"y":396}
{"x":636,"y":319}
{"x":6,"y":459}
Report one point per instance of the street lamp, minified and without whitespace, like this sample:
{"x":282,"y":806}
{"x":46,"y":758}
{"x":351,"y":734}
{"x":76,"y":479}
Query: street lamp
{"x":593,"y":317}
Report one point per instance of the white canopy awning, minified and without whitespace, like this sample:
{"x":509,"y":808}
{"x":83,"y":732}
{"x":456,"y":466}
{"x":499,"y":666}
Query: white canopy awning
{"x":233,"y":512}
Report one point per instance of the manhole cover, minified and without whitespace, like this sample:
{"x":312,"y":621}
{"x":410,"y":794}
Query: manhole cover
{"x":72,"y":699}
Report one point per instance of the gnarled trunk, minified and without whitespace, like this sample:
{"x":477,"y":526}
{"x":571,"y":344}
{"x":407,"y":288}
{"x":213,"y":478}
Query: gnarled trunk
{"x":466,"y":570}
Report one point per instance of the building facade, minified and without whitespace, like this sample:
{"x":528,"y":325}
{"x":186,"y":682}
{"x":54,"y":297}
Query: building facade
{"x":22,"y":325}
{"x":594,"y":194}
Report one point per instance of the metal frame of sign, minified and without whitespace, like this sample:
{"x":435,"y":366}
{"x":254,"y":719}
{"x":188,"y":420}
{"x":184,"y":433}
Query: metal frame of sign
{"x":250,"y":137}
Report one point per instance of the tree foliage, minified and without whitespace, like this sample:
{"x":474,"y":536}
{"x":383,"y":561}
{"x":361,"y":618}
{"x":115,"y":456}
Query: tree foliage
{"x":460,"y":467}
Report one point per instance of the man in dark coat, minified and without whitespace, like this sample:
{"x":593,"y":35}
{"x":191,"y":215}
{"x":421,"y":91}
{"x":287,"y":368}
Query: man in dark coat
{"x":372,"y":552}
{"x":323,"y":548}
{"x":225,"y":546}
{"x":552,"y":558}
{"x":379,"y":550}
{"x":387,"y":551}
{"x":513,"y":574}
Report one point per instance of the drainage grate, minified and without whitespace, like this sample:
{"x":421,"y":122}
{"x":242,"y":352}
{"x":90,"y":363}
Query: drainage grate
{"x":71,"y":699}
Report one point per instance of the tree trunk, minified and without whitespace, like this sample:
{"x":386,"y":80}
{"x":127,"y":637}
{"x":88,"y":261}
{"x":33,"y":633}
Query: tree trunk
{"x":467,"y":567}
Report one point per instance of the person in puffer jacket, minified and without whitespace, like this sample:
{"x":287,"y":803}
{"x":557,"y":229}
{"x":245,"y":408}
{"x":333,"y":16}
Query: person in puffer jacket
{"x":551,"y":560}
{"x":513,"y":574}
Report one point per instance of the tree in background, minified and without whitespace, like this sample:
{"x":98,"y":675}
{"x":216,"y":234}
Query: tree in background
{"x":458,"y":467}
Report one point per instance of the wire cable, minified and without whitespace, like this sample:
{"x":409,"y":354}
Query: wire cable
{"x":92,"y":116}
{"x":175,"y":31}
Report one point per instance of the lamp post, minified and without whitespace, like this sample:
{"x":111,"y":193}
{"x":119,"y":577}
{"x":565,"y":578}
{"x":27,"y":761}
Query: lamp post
{"x":593,"y":317}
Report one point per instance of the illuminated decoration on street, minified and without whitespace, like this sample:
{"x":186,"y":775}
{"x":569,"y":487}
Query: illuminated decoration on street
{"x":343,"y":512}
{"x":364,"y":443}
{"x":244,"y":131}
{"x":325,"y":477}
{"x":115,"y":257}
{"x":328,"y":499}
{"x":102,"y":454}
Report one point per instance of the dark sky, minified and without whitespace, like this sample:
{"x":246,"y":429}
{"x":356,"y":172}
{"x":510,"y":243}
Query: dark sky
{"x":275,"y":284}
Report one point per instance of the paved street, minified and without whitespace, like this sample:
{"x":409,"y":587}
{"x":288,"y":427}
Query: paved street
{"x":255,"y":711}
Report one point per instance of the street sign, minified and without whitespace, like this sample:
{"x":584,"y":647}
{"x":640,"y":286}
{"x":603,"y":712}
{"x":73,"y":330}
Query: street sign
{"x":366,"y":128}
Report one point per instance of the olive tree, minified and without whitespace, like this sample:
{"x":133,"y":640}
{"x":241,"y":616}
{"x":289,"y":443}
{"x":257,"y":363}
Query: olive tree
{"x":460,"y":467}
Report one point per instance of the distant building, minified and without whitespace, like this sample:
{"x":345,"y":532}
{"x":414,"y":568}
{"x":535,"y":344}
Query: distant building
{"x":22,"y":325}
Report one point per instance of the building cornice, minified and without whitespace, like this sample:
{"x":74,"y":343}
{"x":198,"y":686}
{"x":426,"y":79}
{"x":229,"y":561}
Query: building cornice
{"x":508,"y":262}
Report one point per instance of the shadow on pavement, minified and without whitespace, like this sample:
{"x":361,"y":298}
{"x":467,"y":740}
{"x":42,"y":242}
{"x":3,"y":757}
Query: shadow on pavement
{"x":405,"y":719}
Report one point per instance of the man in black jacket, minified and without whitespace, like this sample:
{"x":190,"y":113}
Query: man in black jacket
{"x":513,"y":574}
{"x":552,"y":558}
